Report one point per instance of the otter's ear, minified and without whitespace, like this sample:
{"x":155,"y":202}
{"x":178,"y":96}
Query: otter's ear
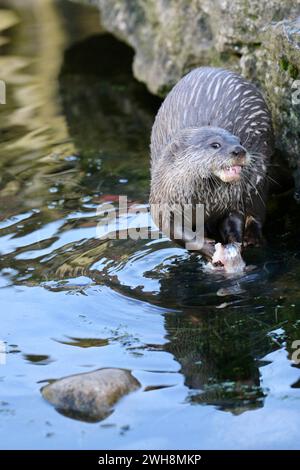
{"x":179,"y":143}
{"x":172,"y":150}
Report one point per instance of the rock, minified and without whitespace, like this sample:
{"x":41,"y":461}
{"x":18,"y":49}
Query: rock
{"x":90,"y":396}
{"x":258,"y":38}
{"x":8,"y":18}
{"x":279,"y":73}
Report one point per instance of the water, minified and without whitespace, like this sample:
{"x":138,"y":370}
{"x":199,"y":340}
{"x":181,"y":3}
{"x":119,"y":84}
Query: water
{"x":213,"y":353}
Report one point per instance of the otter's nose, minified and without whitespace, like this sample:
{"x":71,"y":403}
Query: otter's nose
{"x":238,"y":151}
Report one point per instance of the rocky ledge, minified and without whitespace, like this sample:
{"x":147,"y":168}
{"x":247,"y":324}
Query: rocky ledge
{"x":258,"y":38}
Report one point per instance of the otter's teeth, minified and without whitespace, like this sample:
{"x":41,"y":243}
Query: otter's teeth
{"x":234,"y":169}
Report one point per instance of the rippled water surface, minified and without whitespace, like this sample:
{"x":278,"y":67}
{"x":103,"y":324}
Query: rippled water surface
{"x":213,"y":354}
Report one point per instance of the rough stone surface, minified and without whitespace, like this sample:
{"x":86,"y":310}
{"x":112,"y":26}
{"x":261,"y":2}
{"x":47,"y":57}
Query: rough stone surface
{"x":90,"y":396}
{"x":279,"y":74}
{"x":258,"y":38}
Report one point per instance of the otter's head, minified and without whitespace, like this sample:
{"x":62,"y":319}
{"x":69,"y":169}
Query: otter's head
{"x":210,"y":152}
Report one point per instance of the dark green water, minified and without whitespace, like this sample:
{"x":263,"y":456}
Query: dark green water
{"x":213,"y":354}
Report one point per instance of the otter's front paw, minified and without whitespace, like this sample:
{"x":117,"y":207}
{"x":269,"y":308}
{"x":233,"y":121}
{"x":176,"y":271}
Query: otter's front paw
{"x":253,"y":241}
{"x":253,"y":233}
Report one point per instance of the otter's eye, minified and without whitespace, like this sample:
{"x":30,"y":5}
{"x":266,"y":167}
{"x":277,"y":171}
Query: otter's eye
{"x":215,"y":145}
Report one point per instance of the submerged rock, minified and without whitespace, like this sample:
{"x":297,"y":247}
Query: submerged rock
{"x":90,"y":396}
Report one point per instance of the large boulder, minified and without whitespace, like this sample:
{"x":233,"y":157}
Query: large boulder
{"x":258,"y":38}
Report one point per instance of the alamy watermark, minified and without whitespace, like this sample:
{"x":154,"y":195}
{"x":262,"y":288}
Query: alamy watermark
{"x":183,"y":222}
{"x":2,"y":353}
{"x":2,"y":92}
{"x":296,"y":93}
{"x":296,"y":353}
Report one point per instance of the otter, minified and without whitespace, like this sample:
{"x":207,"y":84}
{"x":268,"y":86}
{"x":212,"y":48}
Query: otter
{"x":211,"y":144}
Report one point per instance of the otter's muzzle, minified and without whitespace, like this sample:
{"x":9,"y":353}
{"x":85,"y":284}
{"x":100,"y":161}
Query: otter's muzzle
{"x":238,"y":158}
{"x":238,"y":152}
